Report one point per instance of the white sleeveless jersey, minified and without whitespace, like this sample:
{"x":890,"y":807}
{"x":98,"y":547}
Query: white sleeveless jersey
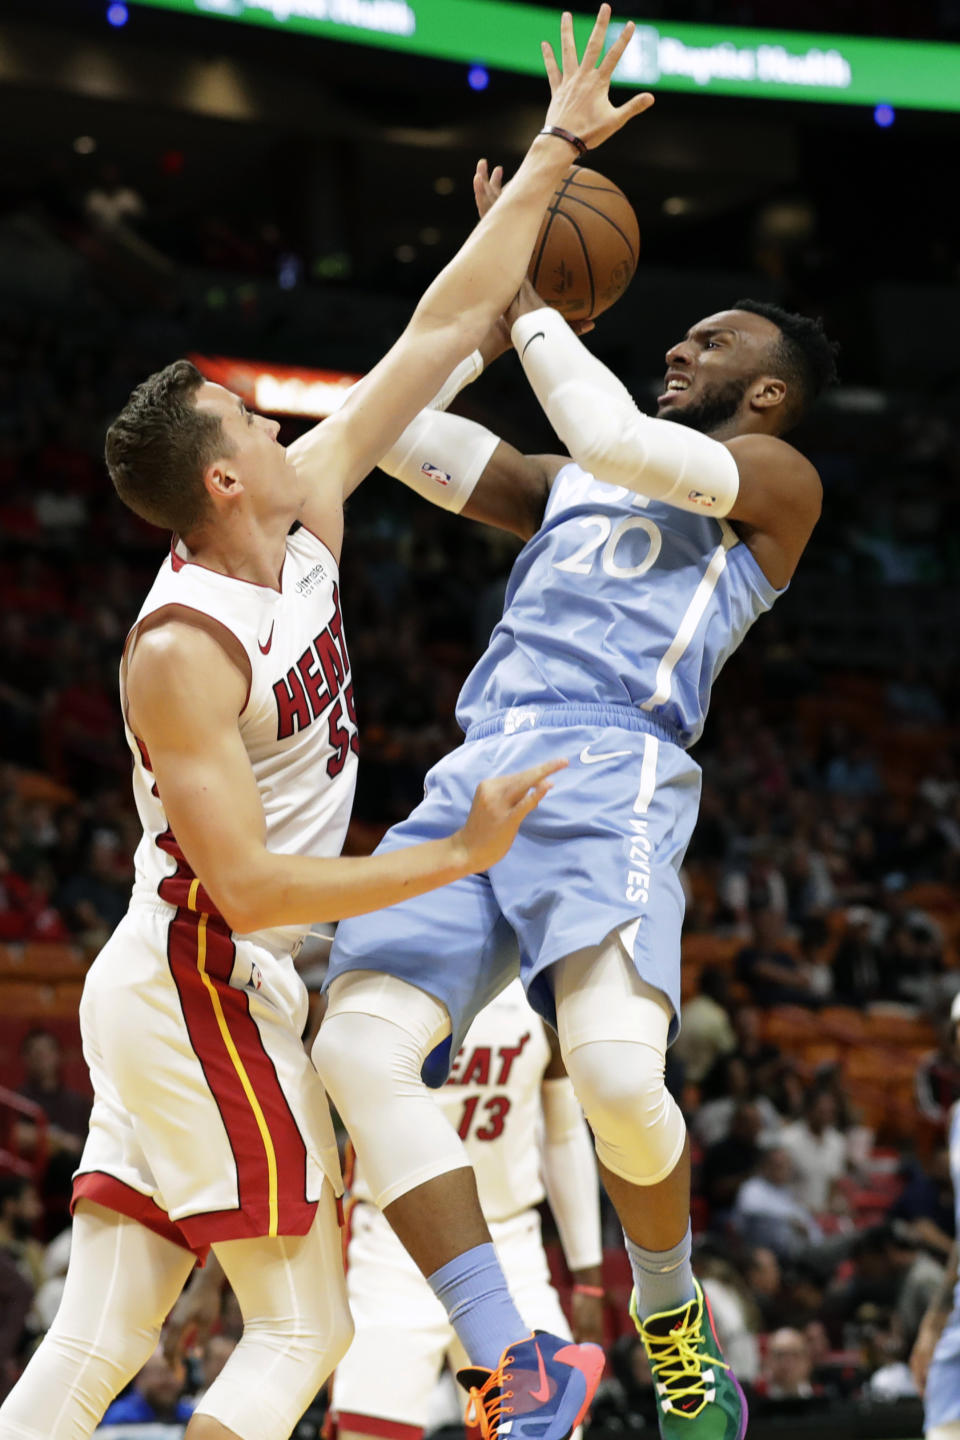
{"x":298,"y":724}
{"x":492,"y":1099}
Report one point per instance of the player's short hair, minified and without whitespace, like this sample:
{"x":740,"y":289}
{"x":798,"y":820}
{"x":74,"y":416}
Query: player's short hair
{"x":803,"y":356}
{"x":159,"y":446}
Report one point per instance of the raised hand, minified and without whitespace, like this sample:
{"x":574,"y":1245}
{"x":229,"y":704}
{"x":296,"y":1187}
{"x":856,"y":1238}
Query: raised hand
{"x":499,"y":806}
{"x":487,"y":185}
{"x":579,"y":89}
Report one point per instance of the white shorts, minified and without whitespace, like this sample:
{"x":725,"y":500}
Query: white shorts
{"x":209,"y":1122}
{"x":403,"y":1337}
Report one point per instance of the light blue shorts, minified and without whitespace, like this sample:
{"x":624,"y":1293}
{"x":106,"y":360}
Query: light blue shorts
{"x":602,"y":850}
{"x":941,"y":1399}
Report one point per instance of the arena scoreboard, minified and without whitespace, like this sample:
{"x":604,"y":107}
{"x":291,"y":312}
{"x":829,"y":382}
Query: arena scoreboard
{"x":700,"y":59}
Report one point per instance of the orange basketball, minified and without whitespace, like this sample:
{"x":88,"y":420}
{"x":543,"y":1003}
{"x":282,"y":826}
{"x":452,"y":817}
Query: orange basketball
{"x":588,"y":246}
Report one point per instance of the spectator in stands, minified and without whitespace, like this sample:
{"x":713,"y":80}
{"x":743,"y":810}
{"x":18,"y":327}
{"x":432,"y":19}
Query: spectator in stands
{"x":881,"y":1257}
{"x":762,"y":1059}
{"x":707,"y":1032}
{"x":735,"y":1313}
{"x":94,"y":901}
{"x":758,"y":887}
{"x":729,"y":1162}
{"x":725,"y":1086}
{"x":761,"y":1270}
{"x":772,"y":973}
{"x":859,"y":973}
{"x":926,"y":1202}
{"x":937,"y":1085}
{"x":767,"y":1212}
{"x":16,"y":1286}
{"x":155,"y":1397}
{"x":787,"y":1368}
{"x":810,"y":887}
{"x":819,"y":1150}
{"x":67,"y":1111}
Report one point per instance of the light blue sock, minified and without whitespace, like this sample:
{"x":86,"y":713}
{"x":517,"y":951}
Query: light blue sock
{"x":473,"y":1291}
{"x":663,"y":1279}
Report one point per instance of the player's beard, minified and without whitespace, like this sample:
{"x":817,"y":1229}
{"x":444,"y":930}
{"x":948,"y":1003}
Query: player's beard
{"x":713,"y":408}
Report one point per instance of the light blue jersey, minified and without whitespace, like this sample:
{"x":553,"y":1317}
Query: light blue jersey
{"x":619,"y":614}
{"x":618,"y":601}
{"x":942,"y":1396}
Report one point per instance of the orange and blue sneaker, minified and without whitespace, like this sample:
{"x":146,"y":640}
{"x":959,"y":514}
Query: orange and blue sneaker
{"x":541,"y":1389}
{"x":698,"y":1396}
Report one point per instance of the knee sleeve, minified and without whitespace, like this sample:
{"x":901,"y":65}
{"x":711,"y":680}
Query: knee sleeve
{"x":297,"y":1326}
{"x":613,"y":1034}
{"x":375,"y":1036}
{"x":638,"y":1126}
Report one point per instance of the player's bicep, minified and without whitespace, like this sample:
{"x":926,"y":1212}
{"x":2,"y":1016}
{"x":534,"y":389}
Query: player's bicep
{"x":184,"y":703}
{"x":512,"y":492}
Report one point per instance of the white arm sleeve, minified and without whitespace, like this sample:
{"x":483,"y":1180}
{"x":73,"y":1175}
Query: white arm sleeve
{"x":598,"y":421}
{"x":570,"y":1174}
{"x":443,"y":456}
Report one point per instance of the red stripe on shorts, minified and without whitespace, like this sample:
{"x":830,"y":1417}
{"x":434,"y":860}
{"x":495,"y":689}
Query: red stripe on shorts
{"x":212,"y":1034}
{"x":107,"y":1190}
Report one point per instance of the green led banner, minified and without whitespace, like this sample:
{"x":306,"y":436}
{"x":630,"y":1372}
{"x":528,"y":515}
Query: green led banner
{"x":701,"y":59}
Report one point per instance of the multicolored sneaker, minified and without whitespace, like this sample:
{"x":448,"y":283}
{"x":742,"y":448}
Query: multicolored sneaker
{"x":698,"y":1394}
{"x":541,"y":1389}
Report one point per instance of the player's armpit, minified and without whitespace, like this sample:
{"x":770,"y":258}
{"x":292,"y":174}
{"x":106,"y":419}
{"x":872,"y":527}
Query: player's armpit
{"x":778,"y":502}
{"x":512,"y":492}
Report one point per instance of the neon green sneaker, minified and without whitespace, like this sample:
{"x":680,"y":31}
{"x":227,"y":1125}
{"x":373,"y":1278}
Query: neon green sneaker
{"x":698,"y":1394}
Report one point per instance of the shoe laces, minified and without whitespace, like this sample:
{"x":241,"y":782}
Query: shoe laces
{"x":677,"y":1362}
{"x":485,"y":1406}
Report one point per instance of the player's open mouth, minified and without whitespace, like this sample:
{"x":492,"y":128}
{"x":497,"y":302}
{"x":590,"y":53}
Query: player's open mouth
{"x":676,"y":385}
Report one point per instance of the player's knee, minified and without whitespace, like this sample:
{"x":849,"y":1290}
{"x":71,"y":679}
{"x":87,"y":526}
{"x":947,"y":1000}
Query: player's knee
{"x":638,"y":1126}
{"x":107,"y":1359}
{"x":358,"y":1056}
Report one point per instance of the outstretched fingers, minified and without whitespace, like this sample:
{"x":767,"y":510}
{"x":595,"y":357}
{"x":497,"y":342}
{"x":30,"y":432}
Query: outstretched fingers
{"x":568,"y":45}
{"x":550,"y":65}
{"x":597,"y":36}
{"x":612,"y":58}
{"x":633,"y":107}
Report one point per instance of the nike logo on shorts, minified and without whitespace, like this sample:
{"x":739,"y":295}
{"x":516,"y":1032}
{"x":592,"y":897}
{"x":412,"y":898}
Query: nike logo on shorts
{"x":587,"y":759}
{"x":265,"y":649}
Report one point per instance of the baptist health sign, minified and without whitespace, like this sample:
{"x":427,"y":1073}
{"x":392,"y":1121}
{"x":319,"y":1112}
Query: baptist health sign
{"x":652,"y":57}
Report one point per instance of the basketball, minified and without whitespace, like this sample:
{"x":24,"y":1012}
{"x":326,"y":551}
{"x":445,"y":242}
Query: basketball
{"x":588,"y":246}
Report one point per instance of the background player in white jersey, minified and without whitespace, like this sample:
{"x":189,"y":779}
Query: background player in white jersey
{"x":209,"y":1126}
{"x":510,"y":1101}
{"x":647,"y":559}
{"x":935,"y":1360}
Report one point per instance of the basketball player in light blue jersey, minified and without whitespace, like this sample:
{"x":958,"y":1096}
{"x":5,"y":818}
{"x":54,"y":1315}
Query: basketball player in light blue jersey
{"x":935,"y":1361}
{"x":650,"y":550}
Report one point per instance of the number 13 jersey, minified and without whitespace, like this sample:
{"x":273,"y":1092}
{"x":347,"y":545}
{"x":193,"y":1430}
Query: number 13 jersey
{"x":617,"y":600}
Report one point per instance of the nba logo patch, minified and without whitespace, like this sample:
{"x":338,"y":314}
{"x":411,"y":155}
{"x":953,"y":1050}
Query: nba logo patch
{"x":433,"y":473}
{"x":706,"y":502}
{"x":519,"y":719}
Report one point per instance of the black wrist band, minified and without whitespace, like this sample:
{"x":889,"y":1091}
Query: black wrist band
{"x":579,"y":145}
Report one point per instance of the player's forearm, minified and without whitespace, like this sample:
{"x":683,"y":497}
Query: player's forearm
{"x":570,"y":1176}
{"x":274,"y":890}
{"x":600,"y":425}
{"x":476,"y":287}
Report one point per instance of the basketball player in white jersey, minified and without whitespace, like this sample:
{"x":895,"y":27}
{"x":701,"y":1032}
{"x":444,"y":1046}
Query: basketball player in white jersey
{"x":209,"y":1127}
{"x":651,"y":548}
{"x":511,"y":1102}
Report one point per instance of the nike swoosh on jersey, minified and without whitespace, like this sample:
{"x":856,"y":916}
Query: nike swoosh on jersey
{"x":587,"y":759}
{"x":542,"y":1392}
{"x":265,"y":649}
